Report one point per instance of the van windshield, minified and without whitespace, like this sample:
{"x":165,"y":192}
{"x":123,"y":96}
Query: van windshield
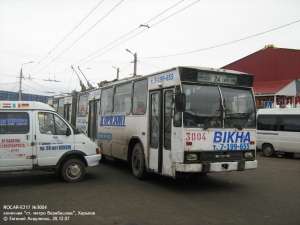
{"x":217,"y":106}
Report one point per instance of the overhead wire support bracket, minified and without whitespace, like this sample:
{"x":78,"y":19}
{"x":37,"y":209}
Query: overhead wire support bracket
{"x":144,"y":25}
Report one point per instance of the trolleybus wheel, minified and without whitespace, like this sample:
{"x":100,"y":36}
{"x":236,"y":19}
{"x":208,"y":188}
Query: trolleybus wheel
{"x":138,"y":162}
{"x":268,"y":150}
{"x":73,"y":170}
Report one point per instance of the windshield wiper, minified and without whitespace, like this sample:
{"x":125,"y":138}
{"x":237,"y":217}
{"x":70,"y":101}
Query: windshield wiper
{"x":214,"y":116}
{"x":231,"y":114}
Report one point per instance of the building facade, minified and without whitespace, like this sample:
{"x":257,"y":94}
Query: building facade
{"x":276,"y":76}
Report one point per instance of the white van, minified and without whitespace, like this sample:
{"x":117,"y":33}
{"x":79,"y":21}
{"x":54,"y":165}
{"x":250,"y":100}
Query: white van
{"x":34,"y":136}
{"x":278,"y":131}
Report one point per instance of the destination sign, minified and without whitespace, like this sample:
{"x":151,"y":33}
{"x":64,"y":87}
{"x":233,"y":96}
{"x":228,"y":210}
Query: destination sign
{"x":217,"y":78}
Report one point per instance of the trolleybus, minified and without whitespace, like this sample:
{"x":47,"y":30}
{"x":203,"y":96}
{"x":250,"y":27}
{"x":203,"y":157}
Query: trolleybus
{"x":180,"y":121}
{"x":65,"y":106}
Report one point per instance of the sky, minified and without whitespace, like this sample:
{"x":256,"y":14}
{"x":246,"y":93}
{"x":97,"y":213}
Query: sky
{"x":45,"y":38}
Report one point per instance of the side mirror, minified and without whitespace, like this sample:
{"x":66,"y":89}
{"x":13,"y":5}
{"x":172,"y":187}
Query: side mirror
{"x":180,"y":102}
{"x":68,"y":132}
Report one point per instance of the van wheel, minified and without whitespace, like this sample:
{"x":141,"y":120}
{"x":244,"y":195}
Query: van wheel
{"x":268,"y":150}
{"x":138,"y":162}
{"x":73,"y":170}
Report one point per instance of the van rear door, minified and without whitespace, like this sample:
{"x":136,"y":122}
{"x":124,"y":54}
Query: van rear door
{"x":16,"y":140}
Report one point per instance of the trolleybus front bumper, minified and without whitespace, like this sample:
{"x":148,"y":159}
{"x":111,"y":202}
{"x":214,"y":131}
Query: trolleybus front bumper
{"x":208,"y":167}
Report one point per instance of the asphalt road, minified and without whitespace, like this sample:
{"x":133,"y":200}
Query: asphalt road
{"x":110,"y":194}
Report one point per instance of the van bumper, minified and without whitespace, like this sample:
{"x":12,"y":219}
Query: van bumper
{"x":92,"y":160}
{"x":216,"y":167}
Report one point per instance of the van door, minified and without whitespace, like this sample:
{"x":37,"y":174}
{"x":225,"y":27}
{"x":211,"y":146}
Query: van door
{"x":16,"y":139}
{"x":51,"y":138}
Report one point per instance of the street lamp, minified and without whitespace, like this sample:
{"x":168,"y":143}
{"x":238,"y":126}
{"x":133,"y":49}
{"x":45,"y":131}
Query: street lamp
{"x":135,"y":61}
{"x":118,"y":71}
{"x":21,"y":76}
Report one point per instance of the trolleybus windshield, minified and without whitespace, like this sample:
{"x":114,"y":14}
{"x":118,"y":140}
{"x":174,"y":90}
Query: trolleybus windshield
{"x":217,"y":106}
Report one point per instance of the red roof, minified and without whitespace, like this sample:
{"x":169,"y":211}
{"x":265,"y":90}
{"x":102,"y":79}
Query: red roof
{"x":270,"y":64}
{"x":271,"y":87}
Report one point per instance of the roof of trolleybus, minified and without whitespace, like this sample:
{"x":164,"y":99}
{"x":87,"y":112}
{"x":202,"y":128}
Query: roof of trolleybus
{"x":180,"y":69}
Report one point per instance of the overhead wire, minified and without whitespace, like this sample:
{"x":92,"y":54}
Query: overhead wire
{"x":68,"y":34}
{"x":224,"y":44}
{"x":81,"y":36}
{"x":118,"y":40}
{"x":145,"y":29}
{"x":126,"y":34}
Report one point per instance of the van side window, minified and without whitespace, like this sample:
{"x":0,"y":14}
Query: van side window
{"x":51,"y":124}
{"x":14,"y":123}
{"x":290,"y":123}
{"x":267,"y":122}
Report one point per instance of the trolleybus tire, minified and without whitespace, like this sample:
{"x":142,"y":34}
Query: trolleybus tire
{"x":72,"y":170}
{"x":268,"y":150}
{"x":138,"y":162}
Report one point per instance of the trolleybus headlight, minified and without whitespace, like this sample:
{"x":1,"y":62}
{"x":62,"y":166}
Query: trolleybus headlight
{"x":192,"y":157}
{"x":248,"y":155}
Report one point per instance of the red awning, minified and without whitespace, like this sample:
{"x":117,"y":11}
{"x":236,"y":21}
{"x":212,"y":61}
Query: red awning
{"x":271,"y":87}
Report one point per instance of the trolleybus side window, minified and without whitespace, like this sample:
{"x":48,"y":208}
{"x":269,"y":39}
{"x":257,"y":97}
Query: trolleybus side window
{"x":140,"y":97}
{"x":55,"y":104}
{"x":107,"y":101}
{"x":14,"y":123}
{"x":83,"y":105}
{"x":122,"y":99}
{"x":60,"y":108}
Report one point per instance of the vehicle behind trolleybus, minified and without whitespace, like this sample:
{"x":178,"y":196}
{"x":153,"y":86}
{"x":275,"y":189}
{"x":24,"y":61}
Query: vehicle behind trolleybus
{"x":278,"y":131}
{"x":65,"y":106}
{"x":181,"y":121}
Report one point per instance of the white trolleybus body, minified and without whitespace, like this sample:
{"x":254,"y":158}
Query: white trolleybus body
{"x":181,"y":121}
{"x":65,"y":106}
{"x":33,"y":136}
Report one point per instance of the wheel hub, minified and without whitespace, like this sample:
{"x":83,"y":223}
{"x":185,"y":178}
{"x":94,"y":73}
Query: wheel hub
{"x":73,"y":171}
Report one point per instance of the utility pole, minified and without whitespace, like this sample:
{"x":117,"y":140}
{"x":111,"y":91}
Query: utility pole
{"x":21,"y":77}
{"x":134,"y":61}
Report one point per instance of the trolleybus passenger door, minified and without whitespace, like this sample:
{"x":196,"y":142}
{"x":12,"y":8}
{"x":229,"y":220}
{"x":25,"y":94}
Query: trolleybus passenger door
{"x":160,"y":159}
{"x":67,"y":112}
{"x":92,"y":120}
